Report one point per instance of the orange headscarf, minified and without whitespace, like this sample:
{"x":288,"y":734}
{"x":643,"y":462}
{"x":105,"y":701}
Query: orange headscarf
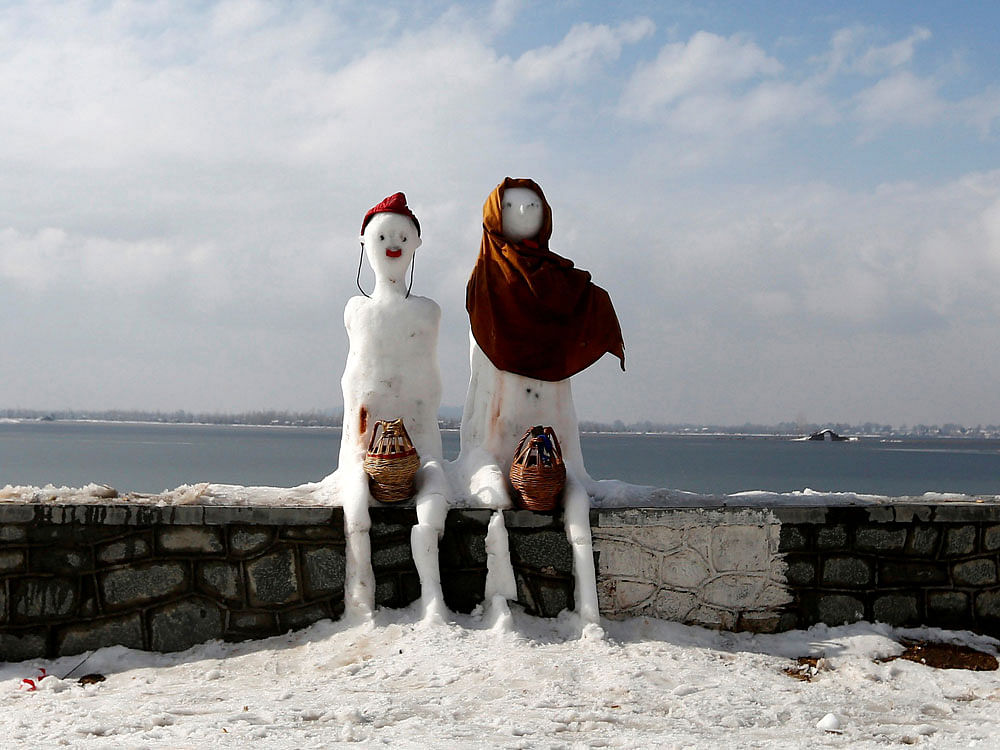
{"x":532,"y":312}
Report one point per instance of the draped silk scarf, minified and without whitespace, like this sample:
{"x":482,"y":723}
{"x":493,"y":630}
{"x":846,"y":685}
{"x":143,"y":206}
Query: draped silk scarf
{"x":532,"y":312}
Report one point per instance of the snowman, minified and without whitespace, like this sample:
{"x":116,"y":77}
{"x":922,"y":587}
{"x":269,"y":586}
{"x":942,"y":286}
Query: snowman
{"x":535,"y":321}
{"x":392,"y":372}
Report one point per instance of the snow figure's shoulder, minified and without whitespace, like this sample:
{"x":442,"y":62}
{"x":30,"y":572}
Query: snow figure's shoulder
{"x":353,"y":307}
{"x":425,"y":306}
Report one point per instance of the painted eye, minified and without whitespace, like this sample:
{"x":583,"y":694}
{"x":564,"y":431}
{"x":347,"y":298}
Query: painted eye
{"x":404,"y":239}
{"x":381,"y":236}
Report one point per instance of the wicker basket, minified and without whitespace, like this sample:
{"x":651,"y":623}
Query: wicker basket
{"x":391,"y":462}
{"x":537,"y":472}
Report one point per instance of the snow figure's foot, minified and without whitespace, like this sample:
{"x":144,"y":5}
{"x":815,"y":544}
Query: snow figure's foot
{"x":496,"y":615}
{"x":576,"y":517}
{"x":592,"y":632}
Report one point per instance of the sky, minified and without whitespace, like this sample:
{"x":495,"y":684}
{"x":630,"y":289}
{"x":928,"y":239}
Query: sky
{"x":795,"y":207}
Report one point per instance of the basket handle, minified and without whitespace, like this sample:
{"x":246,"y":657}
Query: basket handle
{"x":555,"y":442}
{"x":371,"y":443}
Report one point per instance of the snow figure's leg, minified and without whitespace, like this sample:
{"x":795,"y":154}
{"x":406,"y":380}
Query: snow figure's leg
{"x":359,"y":588}
{"x":432,"y":510}
{"x":500,"y":583}
{"x":576,"y":517}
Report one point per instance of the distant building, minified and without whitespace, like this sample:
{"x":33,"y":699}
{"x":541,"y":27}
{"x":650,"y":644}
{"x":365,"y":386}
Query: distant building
{"x":828,"y":435}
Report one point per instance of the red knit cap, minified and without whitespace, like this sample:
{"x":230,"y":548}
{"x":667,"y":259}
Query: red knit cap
{"x":394,"y":204}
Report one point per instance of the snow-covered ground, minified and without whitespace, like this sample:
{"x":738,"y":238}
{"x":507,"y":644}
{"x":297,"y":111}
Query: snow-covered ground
{"x":403,"y":683}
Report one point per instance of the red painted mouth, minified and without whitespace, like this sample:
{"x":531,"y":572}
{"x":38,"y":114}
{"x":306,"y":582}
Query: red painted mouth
{"x":393,"y":253}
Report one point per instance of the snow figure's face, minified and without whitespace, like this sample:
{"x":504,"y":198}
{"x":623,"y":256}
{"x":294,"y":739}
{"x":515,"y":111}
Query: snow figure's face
{"x":390,"y":241}
{"x":523,"y":214}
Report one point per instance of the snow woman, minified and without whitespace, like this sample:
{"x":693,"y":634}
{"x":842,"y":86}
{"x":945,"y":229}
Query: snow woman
{"x":392,"y":373}
{"x":535,"y":321}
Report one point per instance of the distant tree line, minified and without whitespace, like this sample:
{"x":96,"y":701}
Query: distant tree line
{"x":259,"y":417}
{"x":450,"y":418}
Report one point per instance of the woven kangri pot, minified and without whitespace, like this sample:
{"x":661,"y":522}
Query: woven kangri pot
{"x":391,"y":462}
{"x":537,"y":473}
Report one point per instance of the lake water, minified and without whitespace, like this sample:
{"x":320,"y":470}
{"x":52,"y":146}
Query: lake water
{"x":154,"y":457}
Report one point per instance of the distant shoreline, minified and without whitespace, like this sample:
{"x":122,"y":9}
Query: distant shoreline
{"x":587,"y":428}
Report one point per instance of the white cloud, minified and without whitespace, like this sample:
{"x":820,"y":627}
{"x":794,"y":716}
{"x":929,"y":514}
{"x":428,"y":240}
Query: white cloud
{"x":705,"y":64}
{"x":877,"y":59}
{"x":582,"y":51}
{"x":850,"y":52}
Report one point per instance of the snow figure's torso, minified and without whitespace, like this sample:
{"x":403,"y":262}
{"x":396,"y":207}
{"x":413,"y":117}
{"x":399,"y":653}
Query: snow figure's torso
{"x":392,"y":372}
{"x":502,"y":405}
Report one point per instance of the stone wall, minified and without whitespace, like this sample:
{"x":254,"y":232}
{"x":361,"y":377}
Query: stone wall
{"x":74,"y":578}
{"x":711,"y":567}
{"x":904,"y":564}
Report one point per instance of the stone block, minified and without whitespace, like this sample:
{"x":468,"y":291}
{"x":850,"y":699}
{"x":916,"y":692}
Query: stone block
{"x":709,"y":617}
{"x":248,"y":540}
{"x":988,"y":604}
{"x":463,"y":589}
{"x":879,"y":539}
{"x":960,"y":540}
{"x":675,"y":606}
{"x":22,"y":646}
{"x":392,"y":557}
{"x":794,"y":538}
{"x":44,"y":598}
{"x":220,"y":579}
{"x":629,"y":560}
{"x":253,"y":624}
{"x":11,"y":560}
{"x":302,"y":617}
{"x":991,"y":538}
{"x":979,"y":572}
{"x":12,"y":533}
{"x":910,"y":512}
{"x":624,"y":596}
{"x":924,"y":540}
{"x":740,"y":548}
{"x":540,"y":550}
{"x":60,"y":560}
{"x":832,"y":537}
{"x":912,"y":572}
{"x":272,"y":578}
{"x":17,"y":512}
{"x":685,"y":569}
{"x":324,"y":570}
{"x":897,"y":609}
{"x":386,"y":591}
{"x":200,"y":539}
{"x":759,"y":622}
{"x":551,"y":598}
{"x":801,"y":573}
{"x":847,"y":571}
{"x":57,"y":534}
{"x":122,"y":550}
{"x":527,"y":519}
{"x":948,"y":604}
{"x":318,"y":533}
{"x":837,"y":609}
{"x":734,"y":591}
{"x":185,"y":623}
{"x":111,"y":631}
{"x":138,"y":584}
